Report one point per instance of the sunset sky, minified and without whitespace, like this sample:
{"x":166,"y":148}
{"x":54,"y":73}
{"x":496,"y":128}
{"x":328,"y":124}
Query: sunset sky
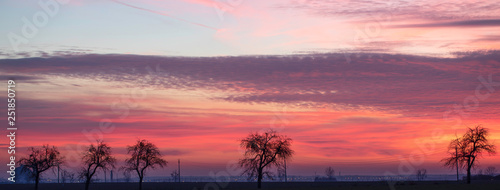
{"x":363,"y":86}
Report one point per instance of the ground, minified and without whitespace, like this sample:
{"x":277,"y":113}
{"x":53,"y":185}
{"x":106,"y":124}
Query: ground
{"x":425,"y":185}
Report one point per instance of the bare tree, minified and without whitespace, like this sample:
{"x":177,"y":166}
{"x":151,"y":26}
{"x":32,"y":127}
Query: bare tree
{"x":96,"y":157}
{"x":263,"y":151}
{"x":144,"y":155}
{"x":421,"y":174}
{"x":329,"y":172}
{"x":490,"y":171}
{"x":40,"y":160}
{"x":67,"y":176}
{"x":468,"y":148}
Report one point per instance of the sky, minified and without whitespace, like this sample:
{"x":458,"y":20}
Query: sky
{"x":367,"y":87}
{"x":242,"y":27}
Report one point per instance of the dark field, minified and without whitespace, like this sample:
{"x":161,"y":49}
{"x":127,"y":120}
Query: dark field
{"x":425,"y":185}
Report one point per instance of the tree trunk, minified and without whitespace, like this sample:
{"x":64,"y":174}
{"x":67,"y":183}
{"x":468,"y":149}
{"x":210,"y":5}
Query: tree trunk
{"x":468,"y":175}
{"x":469,"y":167}
{"x":37,"y":179}
{"x":259,"y":179}
{"x":140,"y":183}
{"x":87,"y":184}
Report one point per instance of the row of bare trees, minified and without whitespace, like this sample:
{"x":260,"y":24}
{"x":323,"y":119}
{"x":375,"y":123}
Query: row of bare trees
{"x":143,"y":155}
{"x":269,"y":149}
{"x":263,"y":151}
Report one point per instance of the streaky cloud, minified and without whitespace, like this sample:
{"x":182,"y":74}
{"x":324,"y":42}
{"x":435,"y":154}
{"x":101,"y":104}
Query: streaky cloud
{"x":464,"y":23}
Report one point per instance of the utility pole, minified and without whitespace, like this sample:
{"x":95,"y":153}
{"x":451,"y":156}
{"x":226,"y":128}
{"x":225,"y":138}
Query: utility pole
{"x":57,"y":173}
{"x":285,"y":172}
{"x":179,"y":173}
{"x":456,"y":157}
{"x":179,"y":168}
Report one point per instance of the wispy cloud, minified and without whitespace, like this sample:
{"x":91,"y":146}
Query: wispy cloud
{"x":398,"y":10}
{"x":465,"y":23}
{"x":165,"y":14}
{"x":382,"y":81}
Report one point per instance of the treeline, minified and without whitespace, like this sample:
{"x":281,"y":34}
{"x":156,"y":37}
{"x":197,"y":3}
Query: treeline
{"x":143,"y":155}
{"x":262,"y":151}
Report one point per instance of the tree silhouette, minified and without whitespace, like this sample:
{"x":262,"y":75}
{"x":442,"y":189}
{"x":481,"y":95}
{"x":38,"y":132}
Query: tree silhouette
{"x":262,"y":151}
{"x":421,"y":174}
{"x":329,"y":172}
{"x":40,"y":160}
{"x":490,"y":171}
{"x":144,"y":155}
{"x":468,"y":148}
{"x":95,"y":157}
{"x":67,"y":176}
